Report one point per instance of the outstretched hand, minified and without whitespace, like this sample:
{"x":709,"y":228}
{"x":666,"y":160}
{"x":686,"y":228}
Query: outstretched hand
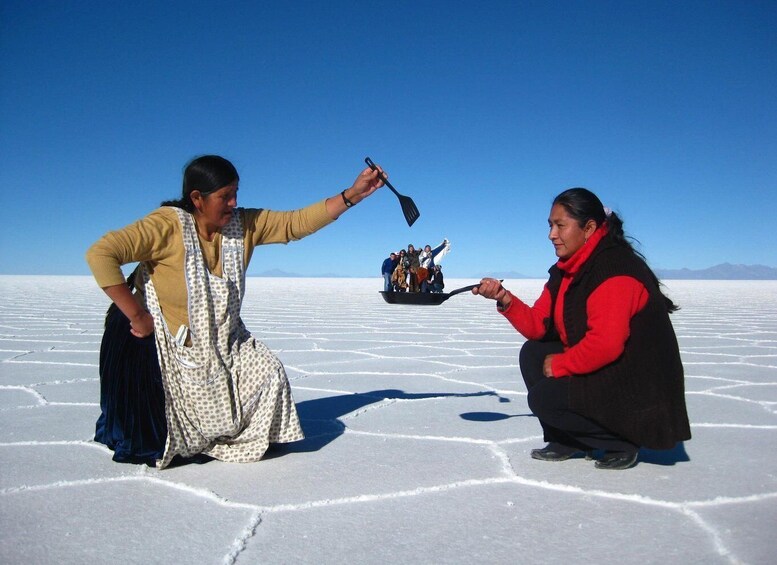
{"x":493,"y":289}
{"x":366,"y":183}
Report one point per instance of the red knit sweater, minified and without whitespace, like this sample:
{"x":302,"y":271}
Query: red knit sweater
{"x":610,"y":308}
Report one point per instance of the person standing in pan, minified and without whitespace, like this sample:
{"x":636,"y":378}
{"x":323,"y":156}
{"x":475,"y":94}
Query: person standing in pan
{"x":427,"y":263}
{"x":601,"y":365}
{"x":438,"y":280}
{"x":203,"y":383}
{"x":413,"y":265}
{"x":387,"y":269}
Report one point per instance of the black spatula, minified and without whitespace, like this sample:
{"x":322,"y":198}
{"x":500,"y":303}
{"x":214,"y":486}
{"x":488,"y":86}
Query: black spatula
{"x":408,"y":206}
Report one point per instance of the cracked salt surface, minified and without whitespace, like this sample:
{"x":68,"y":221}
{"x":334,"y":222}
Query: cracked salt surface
{"x":417,"y":449}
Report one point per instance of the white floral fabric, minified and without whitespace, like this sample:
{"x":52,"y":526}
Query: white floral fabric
{"x":226,"y":393}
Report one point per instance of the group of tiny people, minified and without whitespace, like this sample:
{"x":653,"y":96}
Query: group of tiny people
{"x":415,"y":269}
{"x":181,"y":376}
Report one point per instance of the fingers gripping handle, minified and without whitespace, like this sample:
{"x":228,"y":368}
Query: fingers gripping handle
{"x":381,"y":176}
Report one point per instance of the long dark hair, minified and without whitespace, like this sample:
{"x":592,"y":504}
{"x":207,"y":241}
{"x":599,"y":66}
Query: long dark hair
{"x":583,"y":205}
{"x":206,"y":174}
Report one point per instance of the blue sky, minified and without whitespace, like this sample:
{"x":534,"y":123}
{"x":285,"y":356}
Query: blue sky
{"x":480,"y":111}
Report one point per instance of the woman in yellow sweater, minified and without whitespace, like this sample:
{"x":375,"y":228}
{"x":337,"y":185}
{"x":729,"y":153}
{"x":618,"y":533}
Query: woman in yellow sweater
{"x":179,"y":372}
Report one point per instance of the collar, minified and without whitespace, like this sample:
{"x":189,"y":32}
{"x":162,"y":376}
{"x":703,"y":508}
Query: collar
{"x":572,"y":265}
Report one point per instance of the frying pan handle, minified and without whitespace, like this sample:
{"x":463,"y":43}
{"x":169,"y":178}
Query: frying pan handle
{"x":463,"y":289}
{"x":466,"y":288}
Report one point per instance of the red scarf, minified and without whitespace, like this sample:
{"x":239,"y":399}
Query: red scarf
{"x":570,"y":267}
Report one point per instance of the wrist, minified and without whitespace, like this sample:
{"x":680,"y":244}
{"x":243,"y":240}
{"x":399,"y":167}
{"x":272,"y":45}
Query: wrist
{"x":503,"y":300}
{"x":138,"y":316}
{"x":347,"y":201}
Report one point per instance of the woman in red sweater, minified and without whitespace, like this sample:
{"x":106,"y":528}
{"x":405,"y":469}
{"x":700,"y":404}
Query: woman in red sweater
{"x":601,"y":365}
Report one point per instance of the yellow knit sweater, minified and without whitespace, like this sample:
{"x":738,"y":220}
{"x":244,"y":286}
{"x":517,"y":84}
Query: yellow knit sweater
{"x":157,"y":241}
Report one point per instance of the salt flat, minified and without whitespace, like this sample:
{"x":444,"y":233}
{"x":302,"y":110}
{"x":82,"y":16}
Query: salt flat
{"x":417,"y":449}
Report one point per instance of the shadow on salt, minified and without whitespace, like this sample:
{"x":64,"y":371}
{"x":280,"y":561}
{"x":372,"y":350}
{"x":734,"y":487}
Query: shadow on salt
{"x":320,"y":416}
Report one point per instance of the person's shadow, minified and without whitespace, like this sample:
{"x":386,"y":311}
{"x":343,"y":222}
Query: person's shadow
{"x":320,"y":417}
{"x":491,"y":416}
{"x":664,"y":456}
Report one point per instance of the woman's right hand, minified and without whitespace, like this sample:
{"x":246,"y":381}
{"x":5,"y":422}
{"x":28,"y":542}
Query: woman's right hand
{"x":142,"y":325}
{"x":493,"y":289}
{"x":141,"y":322}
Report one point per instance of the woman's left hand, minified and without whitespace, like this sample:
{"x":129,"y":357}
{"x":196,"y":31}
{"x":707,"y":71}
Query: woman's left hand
{"x":547,"y":365}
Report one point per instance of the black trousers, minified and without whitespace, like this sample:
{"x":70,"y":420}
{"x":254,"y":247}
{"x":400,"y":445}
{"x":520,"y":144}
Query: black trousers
{"x":549,"y":401}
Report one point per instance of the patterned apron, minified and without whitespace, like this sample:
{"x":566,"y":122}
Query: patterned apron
{"x":226,"y":394}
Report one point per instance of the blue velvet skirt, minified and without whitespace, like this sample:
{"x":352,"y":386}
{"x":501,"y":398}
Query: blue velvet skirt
{"x":132,"y":399}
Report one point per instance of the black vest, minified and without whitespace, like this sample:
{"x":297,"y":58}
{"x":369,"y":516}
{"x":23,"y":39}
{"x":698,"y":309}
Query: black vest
{"x":641,"y":395}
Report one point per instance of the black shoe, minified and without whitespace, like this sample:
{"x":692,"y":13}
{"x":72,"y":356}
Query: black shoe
{"x":554,"y":452}
{"x":618,"y":460}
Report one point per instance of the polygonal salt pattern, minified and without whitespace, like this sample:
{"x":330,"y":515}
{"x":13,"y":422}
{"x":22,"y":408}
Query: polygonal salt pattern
{"x":417,"y":447}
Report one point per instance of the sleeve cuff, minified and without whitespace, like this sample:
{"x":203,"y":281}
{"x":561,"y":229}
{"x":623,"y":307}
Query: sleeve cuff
{"x":319,"y":216}
{"x":505,"y":309}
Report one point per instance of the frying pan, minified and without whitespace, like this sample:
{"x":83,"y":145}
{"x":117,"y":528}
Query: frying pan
{"x":422,"y":298}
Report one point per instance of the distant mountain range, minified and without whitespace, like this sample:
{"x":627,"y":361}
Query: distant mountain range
{"x":278,"y":273}
{"x":724,"y":272}
{"x":504,"y":275}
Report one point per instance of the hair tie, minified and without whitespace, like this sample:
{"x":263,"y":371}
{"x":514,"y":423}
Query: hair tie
{"x":607,"y":212}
